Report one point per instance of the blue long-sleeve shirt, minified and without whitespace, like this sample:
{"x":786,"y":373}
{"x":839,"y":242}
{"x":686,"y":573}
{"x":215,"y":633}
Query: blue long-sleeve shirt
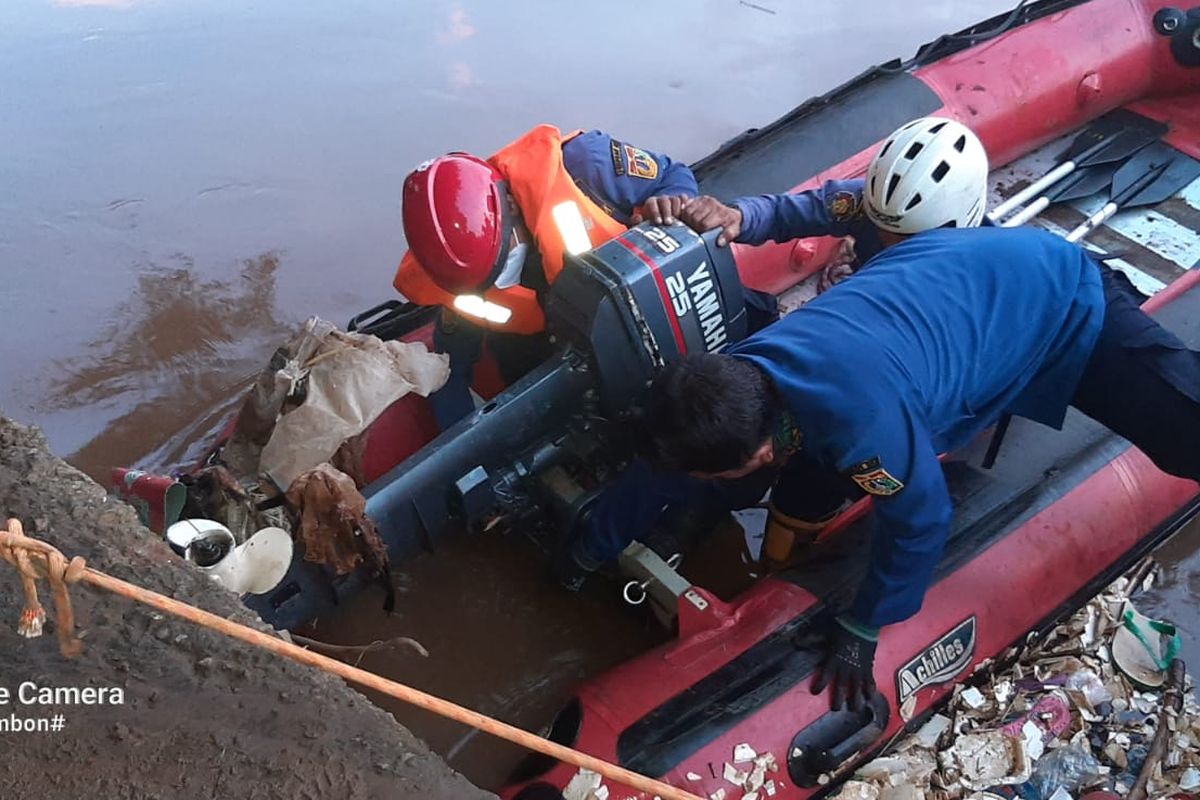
{"x":619,"y":176}
{"x":932,"y":341}
{"x":834,"y":209}
{"x":633,"y":502}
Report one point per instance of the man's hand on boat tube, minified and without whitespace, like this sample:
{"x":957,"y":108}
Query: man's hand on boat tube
{"x":849,"y":665}
{"x":704,"y":213}
{"x":661,"y":209}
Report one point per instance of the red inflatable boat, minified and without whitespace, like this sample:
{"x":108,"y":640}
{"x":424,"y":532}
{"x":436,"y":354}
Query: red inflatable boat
{"x":1056,"y":516}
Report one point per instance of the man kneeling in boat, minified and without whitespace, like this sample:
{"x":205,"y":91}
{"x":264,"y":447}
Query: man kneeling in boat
{"x":933,"y":341}
{"x":487,"y":238}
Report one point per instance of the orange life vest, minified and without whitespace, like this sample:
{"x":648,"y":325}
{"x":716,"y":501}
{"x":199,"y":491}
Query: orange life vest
{"x":538,"y":181}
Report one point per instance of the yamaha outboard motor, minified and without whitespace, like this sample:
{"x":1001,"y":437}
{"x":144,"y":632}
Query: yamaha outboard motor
{"x":537,"y":452}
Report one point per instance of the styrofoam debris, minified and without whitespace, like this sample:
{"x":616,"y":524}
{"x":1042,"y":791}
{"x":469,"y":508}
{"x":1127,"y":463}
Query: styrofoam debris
{"x":743,"y":753}
{"x":974,"y":698}
{"x":691,"y":776}
{"x":750,"y":796}
{"x":912,"y":766}
{"x":932,"y":730}
{"x":734,"y":775}
{"x":1061,"y":794}
{"x":719,"y":794}
{"x":988,"y":759}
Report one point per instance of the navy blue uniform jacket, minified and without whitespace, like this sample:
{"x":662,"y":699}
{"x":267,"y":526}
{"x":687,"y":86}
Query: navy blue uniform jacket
{"x":928,"y":345}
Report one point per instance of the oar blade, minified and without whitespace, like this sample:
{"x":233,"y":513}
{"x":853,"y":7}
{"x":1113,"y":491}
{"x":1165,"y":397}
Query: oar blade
{"x":1171,"y":170}
{"x":1123,"y":145}
{"x":1114,"y":136}
{"x":1178,"y":174}
{"x":1084,"y":183}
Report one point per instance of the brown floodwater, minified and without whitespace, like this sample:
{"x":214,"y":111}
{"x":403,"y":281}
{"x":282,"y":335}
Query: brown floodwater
{"x":182,"y":182}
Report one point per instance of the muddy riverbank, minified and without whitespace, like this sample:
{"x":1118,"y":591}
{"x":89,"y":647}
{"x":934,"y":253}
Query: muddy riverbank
{"x":200,"y":715}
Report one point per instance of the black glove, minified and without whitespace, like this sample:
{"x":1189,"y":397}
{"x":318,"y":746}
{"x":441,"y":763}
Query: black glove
{"x":849,"y":665}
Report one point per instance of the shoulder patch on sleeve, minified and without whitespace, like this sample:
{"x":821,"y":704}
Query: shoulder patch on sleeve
{"x":639,"y":163}
{"x":872,"y":478}
{"x":618,"y":158}
{"x":844,"y":206}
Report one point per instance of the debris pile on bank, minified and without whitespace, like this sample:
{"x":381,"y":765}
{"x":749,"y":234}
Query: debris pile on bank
{"x":1063,"y":721}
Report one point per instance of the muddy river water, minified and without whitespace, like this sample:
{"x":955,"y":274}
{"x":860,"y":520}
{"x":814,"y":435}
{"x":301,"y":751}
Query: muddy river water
{"x":184,"y":181}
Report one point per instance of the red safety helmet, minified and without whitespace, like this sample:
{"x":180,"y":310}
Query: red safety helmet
{"x":457,"y":221}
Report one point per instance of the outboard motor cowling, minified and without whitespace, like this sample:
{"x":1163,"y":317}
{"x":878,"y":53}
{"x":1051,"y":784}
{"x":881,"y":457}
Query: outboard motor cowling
{"x":647,"y":298}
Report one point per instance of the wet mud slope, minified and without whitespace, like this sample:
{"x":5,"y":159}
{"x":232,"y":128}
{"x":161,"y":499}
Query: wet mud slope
{"x":203,"y":716}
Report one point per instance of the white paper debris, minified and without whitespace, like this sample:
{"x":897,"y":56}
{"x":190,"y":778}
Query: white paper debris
{"x":691,"y":776}
{"x":585,"y":785}
{"x":973,"y":697}
{"x":908,"y":708}
{"x":1031,"y":740}
{"x":769,"y":788}
{"x":734,"y":775}
{"x":750,"y":796}
{"x":757,"y":778}
{"x":743,"y":753}
{"x":719,"y":794}
{"x":768,"y":762}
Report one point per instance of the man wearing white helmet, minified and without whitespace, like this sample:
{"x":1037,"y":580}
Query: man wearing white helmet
{"x":941,"y":333}
{"x":931,"y":173}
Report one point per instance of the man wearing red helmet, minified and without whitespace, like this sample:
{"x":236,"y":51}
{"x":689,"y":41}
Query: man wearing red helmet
{"x":487,"y":238}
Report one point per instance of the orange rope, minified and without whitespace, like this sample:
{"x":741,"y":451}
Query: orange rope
{"x":33,"y":560}
{"x":50,"y":563}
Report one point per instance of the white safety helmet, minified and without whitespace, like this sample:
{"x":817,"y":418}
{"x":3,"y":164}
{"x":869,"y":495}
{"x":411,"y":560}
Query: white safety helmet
{"x":931,"y":173}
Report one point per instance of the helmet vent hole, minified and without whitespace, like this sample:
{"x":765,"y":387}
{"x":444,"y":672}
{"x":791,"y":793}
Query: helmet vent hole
{"x":913,"y":203}
{"x":891,"y":188}
{"x":961,"y":144}
{"x":914,"y":150}
{"x":886,"y":146}
{"x":937,"y":127}
{"x":940,"y":172}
